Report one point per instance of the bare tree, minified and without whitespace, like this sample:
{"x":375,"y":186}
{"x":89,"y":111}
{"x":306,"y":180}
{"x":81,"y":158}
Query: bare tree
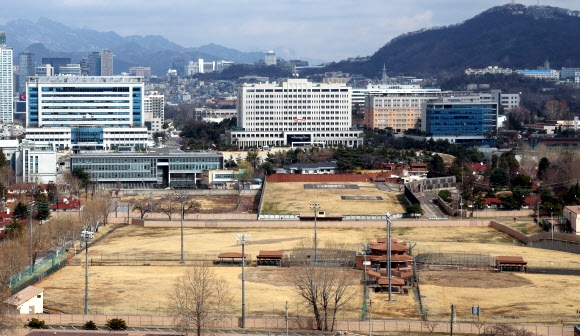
{"x":143,"y":205}
{"x":64,"y":230}
{"x":103,"y":204}
{"x":505,"y":330}
{"x":431,"y":325}
{"x":168,"y":206}
{"x":326,"y":288}
{"x":199,"y":298}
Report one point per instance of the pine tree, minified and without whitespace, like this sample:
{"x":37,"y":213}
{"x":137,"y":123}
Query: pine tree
{"x":20,"y":211}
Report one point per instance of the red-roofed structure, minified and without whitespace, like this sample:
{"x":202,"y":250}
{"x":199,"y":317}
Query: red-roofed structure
{"x":70,"y":205}
{"x":492,"y":202}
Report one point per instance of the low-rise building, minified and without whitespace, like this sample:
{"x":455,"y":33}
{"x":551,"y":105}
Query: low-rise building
{"x":218,"y":179}
{"x":572,"y":214}
{"x":310,"y":168}
{"x":30,"y":300}
{"x":153,"y":169}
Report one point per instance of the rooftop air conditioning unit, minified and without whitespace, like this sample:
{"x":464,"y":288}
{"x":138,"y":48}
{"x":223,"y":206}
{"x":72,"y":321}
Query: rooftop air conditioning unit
{"x":321,"y":214}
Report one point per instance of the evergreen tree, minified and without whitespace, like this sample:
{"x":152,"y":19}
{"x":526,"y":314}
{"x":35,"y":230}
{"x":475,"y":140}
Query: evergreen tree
{"x":20,"y":211}
{"x":3,"y":162}
{"x":42,"y":210}
{"x":543,"y":167}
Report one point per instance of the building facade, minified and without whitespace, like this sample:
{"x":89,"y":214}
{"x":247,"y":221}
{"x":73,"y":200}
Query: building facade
{"x":459,"y":118}
{"x":552,"y":75}
{"x":294,"y":112}
{"x":86,"y":113}
{"x":6,"y":82}
{"x":106,"y":63}
{"x":94,"y":63}
{"x":26,"y":66}
{"x":56,"y":63}
{"x":157,"y":168}
{"x":396,"y":106}
{"x":154,"y":111}
{"x":37,"y":163}
{"x":270,"y":58}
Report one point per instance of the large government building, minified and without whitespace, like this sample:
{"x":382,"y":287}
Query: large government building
{"x":294,"y":112}
{"x":154,"y":169}
{"x":86,"y":112}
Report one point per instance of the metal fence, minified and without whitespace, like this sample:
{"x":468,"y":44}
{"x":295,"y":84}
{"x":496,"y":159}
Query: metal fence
{"x":149,"y":259}
{"x":41,"y":269}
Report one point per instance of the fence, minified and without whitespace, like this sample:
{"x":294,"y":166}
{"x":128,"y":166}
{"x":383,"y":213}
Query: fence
{"x":406,"y":326}
{"x":38,"y":271}
{"x":148,"y":259}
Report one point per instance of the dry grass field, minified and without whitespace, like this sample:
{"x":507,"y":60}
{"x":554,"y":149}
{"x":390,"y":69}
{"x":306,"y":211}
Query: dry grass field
{"x":525,"y":227}
{"x":292,"y":198}
{"x":144,"y":289}
{"x":525,"y":295}
{"x":214,"y":204}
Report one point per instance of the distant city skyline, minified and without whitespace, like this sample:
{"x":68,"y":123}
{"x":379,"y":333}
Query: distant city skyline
{"x":328,"y":30}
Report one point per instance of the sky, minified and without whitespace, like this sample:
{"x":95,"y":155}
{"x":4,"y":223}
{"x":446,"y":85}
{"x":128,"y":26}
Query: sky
{"x":329,"y":30}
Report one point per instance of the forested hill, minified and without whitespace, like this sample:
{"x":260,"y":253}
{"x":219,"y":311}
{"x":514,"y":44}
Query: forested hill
{"x":510,"y":36}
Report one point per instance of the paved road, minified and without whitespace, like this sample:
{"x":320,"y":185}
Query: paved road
{"x":432,"y":210}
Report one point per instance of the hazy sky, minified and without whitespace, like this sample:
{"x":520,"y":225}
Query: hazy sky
{"x":323,"y":29}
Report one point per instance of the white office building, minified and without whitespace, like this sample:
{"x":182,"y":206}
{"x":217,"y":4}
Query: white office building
{"x":294,"y":112}
{"x":6,"y":82}
{"x":37,"y":163}
{"x":154,"y":111}
{"x":552,"y":75}
{"x":80,"y":112}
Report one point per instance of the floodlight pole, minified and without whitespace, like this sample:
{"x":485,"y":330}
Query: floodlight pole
{"x":31,"y":204}
{"x":315,"y":207}
{"x":243,"y":239}
{"x":388,"y":245}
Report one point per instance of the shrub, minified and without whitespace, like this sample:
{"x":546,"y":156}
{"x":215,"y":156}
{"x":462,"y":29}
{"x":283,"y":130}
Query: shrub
{"x":90,"y":325}
{"x":445,"y":195}
{"x":116,"y":324}
{"x":36,"y":324}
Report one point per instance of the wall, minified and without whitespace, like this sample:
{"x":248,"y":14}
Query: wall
{"x":320,"y":224}
{"x":36,"y":302}
{"x":321,"y":178}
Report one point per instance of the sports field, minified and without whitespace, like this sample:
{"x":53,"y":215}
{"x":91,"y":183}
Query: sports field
{"x":144,"y":289}
{"x":292,"y":198}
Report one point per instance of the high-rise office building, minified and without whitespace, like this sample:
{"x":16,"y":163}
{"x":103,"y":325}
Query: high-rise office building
{"x":94,"y":63}
{"x":295,"y":112}
{"x":56,"y":63}
{"x":26,"y":63}
{"x":86,"y":113}
{"x":106,"y":63}
{"x":6,"y":82}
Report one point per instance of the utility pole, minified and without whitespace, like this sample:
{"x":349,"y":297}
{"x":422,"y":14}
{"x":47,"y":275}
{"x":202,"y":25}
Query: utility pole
{"x":244,"y":239}
{"x":388,"y":245}
{"x":315,"y":207}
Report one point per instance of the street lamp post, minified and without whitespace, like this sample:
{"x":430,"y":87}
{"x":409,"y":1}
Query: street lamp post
{"x":86,"y":236}
{"x":31,"y":204}
{"x":243,"y":239}
{"x":181,"y":197}
{"x":388,"y":244}
{"x":315,"y":207}
{"x":370,"y":317}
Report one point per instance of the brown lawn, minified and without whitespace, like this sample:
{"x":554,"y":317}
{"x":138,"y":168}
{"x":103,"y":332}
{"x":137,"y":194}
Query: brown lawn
{"x":144,"y":289}
{"x":521,"y":294}
{"x":292,"y":198}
